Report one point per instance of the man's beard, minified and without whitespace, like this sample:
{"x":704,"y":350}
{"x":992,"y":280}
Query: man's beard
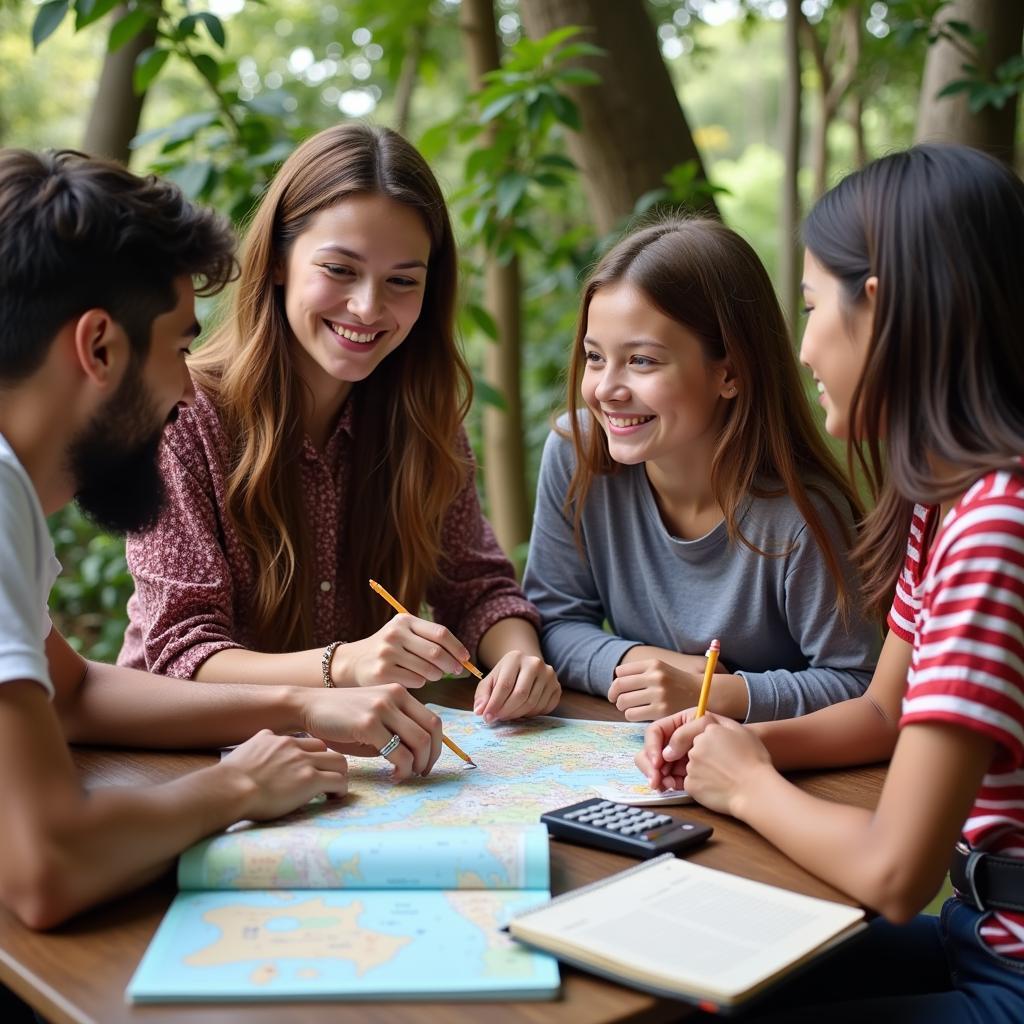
{"x":113,"y":461}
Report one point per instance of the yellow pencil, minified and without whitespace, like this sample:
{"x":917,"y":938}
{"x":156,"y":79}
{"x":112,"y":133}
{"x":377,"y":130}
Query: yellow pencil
{"x":709,"y":670}
{"x":402,"y":610}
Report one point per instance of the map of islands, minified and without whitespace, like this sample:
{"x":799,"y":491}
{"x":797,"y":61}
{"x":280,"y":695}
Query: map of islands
{"x":398,"y":890}
{"x":368,"y":944}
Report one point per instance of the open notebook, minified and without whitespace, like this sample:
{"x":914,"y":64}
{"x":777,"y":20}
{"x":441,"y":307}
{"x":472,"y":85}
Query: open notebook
{"x":687,"y":932}
{"x":315,"y":912}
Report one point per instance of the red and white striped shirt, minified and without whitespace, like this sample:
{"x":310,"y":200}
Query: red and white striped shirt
{"x":960,"y":603}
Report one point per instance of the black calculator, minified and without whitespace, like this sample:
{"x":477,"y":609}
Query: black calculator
{"x":620,"y":828}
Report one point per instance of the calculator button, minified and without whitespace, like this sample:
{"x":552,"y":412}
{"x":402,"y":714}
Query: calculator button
{"x":657,"y":833}
{"x":603,"y":805}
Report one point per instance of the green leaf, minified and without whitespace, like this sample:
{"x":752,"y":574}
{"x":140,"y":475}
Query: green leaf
{"x":435,"y":139}
{"x":559,"y":36}
{"x":207,"y":67}
{"x":509,"y":191}
{"x":549,"y":180}
{"x":87,"y":13}
{"x":270,"y":104}
{"x":580,"y":50}
{"x":192,"y":177}
{"x":182,"y":129}
{"x":960,"y":27}
{"x":128,"y":28}
{"x":50,"y":15}
{"x":214,"y":26}
{"x":276,"y":154}
{"x":566,"y":111}
{"x":148,"y":66}
{"x":186,"y":27}
{"x":577,"y":76}
{"x":481,"y":161}
{"x":952,"y":88}
{"x":499,"y":106}
{"x":482,"y":319}
{"x":488,"y":394}
{"x":536,"y":112}
{"x":649,"y":200}
{"x":556,"y":160}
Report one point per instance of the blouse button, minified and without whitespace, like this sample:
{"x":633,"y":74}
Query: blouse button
{"x":325,"y":585}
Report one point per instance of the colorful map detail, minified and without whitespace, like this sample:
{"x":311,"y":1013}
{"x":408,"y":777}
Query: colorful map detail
{"x":415,"y":879}
{"x":525,"y":768}
{"x":349,"y":945}
{"x":310,"y":855}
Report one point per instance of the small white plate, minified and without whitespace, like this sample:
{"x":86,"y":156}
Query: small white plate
{"x":642,"y":798}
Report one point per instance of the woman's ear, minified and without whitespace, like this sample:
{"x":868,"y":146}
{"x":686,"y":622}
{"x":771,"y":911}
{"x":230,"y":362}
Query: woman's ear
{"x":729,"y":386}
{"x":871,"y":291}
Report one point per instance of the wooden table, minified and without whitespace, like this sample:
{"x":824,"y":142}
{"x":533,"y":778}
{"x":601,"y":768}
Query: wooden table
{"x":78,"y":973}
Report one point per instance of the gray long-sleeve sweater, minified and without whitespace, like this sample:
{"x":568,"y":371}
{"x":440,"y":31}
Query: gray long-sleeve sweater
{"x":776,"y":616}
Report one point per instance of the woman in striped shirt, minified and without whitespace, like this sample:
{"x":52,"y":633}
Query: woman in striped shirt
{"x":914,"y":291}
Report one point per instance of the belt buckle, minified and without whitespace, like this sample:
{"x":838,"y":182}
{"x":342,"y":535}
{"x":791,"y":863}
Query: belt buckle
{"x":973,"y":859}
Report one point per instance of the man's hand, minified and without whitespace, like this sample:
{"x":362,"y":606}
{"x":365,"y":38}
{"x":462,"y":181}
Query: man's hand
{"x":648,"y":690}
{"x":520,"y":685}
{"x":360,"y":722}
{"x":406,"y":650}
{"x":277,"y":774}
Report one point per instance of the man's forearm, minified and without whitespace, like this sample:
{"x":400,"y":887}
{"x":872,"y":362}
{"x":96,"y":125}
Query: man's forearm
{"x":124,"y":707}
{"x":116,"y":839}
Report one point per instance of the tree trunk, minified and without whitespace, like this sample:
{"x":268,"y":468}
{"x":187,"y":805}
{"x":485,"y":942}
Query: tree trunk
{"x":855,"y":114}
{"x":633,"y":129}
{"x":948,"y":119}
{"x":406,"y":85}
{"x":504,"y":455}
{"x":837,"y":65}
{"x":789,"y":213}
{"x":116,"y":109}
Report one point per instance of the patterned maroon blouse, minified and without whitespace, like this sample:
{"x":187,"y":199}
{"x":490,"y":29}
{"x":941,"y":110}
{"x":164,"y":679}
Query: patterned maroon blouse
{"x":194,"y":580}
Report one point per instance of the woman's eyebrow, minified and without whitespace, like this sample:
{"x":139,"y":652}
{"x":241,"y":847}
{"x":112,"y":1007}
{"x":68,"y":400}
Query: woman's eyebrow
{"x":352,"y":255}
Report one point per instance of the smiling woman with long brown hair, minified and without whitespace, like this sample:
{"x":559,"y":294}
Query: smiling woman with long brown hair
{"x":326,"y":447}
{"x":692,"y":495}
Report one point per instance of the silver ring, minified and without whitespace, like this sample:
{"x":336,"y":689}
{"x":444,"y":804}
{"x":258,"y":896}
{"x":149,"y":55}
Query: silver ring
{"x":392,"y":744}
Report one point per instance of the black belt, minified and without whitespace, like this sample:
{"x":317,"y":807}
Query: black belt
{"x":986,"y":880}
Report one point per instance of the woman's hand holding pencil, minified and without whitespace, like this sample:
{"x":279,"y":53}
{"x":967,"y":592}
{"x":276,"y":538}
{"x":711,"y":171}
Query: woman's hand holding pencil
{"x":407,"y":650}
{"x":668,"y":740}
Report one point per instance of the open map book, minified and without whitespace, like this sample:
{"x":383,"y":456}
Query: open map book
{"x":308,"y":912}
{"x":394,"y":891}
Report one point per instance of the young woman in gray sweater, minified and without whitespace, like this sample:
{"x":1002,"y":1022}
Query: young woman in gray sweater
{"x":691,"y":495}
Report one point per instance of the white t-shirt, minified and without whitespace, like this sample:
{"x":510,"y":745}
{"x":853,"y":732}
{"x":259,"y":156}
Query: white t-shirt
{"x":28,"y":568}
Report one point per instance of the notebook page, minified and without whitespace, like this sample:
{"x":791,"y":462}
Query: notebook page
{"x":694,"y":926}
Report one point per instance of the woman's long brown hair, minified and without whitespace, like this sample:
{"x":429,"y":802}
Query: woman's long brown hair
{"x":708,"y":279}
{"x":406,"y":465}
{"x":942,"y":230}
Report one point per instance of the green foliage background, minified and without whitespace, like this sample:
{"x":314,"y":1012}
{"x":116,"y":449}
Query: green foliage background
{"x":228,"y":96}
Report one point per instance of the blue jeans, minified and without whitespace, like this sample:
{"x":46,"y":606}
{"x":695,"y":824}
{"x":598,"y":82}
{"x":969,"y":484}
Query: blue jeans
{"x":934,"y":970}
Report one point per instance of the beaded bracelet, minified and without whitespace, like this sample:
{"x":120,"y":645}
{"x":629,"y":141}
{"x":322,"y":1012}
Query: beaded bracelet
{"x":325,"y":662}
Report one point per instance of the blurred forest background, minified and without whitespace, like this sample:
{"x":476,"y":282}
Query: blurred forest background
{"x":551,"y":124}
